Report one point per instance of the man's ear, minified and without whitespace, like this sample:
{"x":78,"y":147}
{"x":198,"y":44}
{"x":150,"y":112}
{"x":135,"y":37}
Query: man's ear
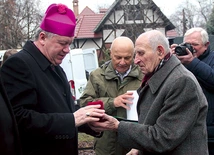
{"x":42,"y":37}
{"x":160,"y":52}
{"x":207,"y":44}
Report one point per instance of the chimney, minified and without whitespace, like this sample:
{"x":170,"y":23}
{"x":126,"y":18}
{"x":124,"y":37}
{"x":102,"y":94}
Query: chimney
{"x":76,"y":7}
{"x":103,"y":10}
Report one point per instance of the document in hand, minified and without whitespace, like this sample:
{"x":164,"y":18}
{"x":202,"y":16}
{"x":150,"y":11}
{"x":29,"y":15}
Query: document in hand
{"x":132,"y":112}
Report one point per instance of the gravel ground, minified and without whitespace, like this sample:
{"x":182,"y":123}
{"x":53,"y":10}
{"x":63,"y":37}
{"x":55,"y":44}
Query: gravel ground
{"x":87,"y":152}
{"x":86,"y":145}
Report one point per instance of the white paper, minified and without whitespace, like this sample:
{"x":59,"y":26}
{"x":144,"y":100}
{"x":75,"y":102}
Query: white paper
{"x":132,"y":112}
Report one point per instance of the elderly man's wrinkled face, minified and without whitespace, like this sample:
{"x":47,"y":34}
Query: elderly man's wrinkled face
{"x":56,"y":47}
{"x":122,"y":58}
{"x":145,"y":57}
{"x":195,"y":40}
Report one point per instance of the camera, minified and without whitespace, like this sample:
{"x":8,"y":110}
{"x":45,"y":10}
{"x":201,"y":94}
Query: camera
{"x":181,"y":49}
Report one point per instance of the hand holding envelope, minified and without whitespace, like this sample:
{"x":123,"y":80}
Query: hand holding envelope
{"x":132,"y":112}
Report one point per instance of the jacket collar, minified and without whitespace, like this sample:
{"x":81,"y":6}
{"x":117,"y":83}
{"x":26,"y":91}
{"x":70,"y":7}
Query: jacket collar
{"x":159,"y":77}
{"x":205,"y":54}
{"x":42,"y":61}
{"x":110,"y":73}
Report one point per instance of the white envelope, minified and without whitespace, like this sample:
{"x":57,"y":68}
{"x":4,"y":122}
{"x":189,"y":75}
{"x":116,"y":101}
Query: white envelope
{"x":132,"y":112}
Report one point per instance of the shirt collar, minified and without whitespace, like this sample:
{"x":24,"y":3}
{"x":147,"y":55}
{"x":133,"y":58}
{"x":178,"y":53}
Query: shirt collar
{"x":122,"y":76}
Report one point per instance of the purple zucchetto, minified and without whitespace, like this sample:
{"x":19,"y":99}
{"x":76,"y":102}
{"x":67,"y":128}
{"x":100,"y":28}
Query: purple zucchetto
{"x":59,"y":19}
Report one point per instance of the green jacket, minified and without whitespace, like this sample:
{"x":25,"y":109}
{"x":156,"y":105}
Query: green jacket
{"x":105,"y":85}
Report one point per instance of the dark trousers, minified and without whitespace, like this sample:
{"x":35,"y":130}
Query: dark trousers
{"x":211,"y":148}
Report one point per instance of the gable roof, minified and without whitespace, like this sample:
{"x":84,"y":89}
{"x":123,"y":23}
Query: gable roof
{"x":90,"y":23}
{"x":98,"y":26}
{"x":86,"y":11}
{"x":170,"y":26}
{"x":86,"y":22}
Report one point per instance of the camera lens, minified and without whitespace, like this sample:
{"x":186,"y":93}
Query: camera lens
{"x":180,"y":50}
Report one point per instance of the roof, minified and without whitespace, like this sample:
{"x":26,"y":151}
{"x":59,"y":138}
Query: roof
{"x":170,"y":26}
{"x":90,"y":23}
{"x":171,"y":34}
{"x":86,"y":11}
{"x":87,"y":21}
{"x":98,"y":27}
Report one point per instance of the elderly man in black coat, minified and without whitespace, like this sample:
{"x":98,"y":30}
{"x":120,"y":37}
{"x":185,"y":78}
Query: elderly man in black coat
{"x":40,"y":93}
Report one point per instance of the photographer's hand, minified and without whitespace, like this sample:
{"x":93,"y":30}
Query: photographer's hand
{"x":173,"y":48}
{"x":186,"y":59}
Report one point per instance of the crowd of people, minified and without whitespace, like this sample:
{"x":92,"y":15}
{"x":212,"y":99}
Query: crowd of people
{"x":176,"y":95}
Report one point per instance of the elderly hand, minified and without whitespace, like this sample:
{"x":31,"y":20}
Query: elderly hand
{"x":186,"y":59}
{"x":173,"y":48}
{"x":88,"y":114}
{"x":124,"y":99}
{"x":108,"y":123}
{"x":133,"y":152}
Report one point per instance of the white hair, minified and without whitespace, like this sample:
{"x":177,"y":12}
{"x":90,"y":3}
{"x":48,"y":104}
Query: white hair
{"x":204,"y":34}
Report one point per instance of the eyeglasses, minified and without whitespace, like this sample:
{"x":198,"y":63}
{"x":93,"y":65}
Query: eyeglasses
{"x":194,"y":44}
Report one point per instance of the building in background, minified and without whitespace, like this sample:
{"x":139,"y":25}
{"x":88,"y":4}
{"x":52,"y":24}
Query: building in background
{"x":123,"y":18}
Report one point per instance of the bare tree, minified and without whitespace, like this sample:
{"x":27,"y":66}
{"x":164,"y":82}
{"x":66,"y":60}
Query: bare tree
{"x":191,"y":14}
{"x":18,"y":22}
{"x":6,"y":22}
{"x":210,"y":23}
{"x":29,"y":17}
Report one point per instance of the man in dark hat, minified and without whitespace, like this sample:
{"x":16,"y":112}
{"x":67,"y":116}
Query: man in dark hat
{"x":39,"y":91}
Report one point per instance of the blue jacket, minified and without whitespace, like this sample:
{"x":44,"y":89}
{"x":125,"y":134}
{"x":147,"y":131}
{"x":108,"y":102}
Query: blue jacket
{"x":203,"y":69}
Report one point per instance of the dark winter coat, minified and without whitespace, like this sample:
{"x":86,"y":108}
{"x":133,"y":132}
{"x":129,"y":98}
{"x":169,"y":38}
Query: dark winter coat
{"x":9,"y":136}
{"x":203,"y":69}
{"x":42,"y":103}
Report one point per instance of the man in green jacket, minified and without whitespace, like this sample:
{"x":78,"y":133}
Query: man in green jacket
{"x":110,"y":84}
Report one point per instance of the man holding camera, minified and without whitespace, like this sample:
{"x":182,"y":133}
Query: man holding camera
{"x":198,"y":59}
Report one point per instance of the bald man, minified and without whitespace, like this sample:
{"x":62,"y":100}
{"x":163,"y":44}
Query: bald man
{"x":110,"y":83}
{"x":171,"y":107}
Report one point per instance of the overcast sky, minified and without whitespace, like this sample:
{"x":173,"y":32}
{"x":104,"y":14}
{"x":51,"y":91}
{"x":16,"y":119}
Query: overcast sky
{"x":167,"y":6}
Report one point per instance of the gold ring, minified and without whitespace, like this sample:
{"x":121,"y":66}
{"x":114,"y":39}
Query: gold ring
{"x":87,"y":114}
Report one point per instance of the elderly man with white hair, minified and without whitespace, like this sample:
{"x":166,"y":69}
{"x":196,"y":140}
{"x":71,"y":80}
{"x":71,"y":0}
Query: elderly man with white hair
{"x":171,"y":107}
